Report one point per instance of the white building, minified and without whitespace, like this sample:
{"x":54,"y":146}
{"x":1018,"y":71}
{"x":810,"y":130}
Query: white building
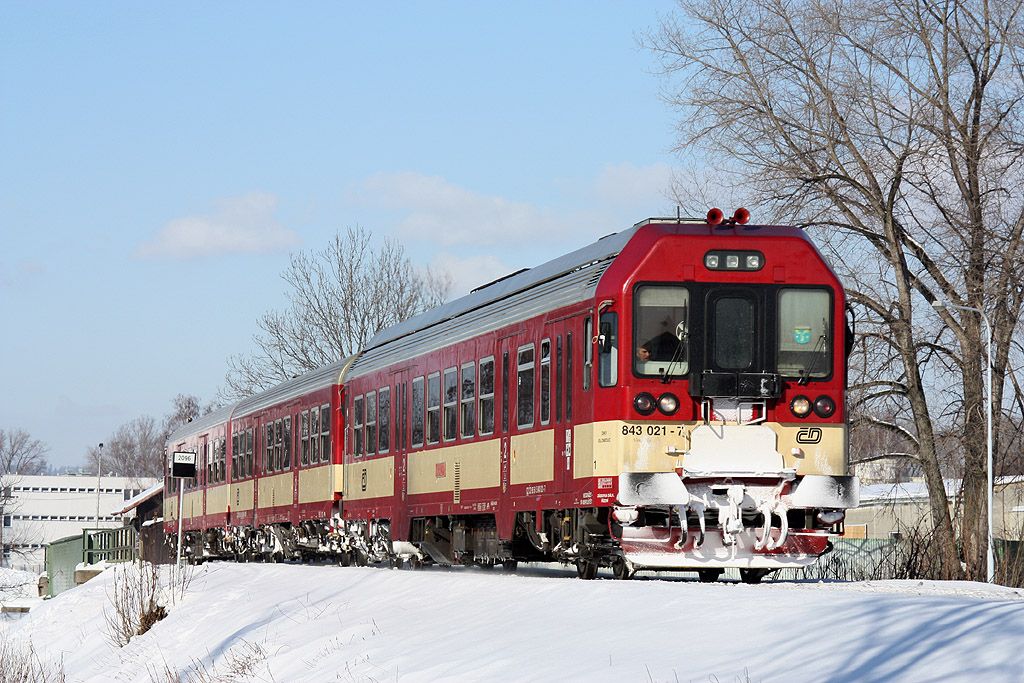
{"x":40,"y":509}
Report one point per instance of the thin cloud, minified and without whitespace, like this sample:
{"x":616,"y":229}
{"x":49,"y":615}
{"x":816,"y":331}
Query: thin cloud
{"x":452,"y":215}
{"x":470,"y":272}
{"x":631,"y":185}
{"x":432,"y":208}
{"x":20,"y":274}
{"x":238,"y":225}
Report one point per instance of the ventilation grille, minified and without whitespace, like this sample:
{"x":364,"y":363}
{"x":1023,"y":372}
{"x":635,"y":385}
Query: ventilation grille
{"x":457,"y":491}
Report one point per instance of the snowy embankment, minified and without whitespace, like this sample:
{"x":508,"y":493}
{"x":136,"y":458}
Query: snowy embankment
{"x":303,"y":623}
{"x":18,"y":590}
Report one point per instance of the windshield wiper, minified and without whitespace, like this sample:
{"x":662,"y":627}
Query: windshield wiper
{"x":818,"y":353}
{"x":682,"y":341}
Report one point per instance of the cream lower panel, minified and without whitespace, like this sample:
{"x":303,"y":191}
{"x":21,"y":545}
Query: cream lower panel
{"x":276,"y":490}
{"x":370,"y":479}
{"x":217,"y":500}
{"x":821,"y":449}
{"x":171,"y":508}
{"x":193,"y":505}
{"x":242,"y":496}
{"x":532,"y":457}
{"x":604,"y":449}
{"x":434,"y":471}
{"x":318,"y":483}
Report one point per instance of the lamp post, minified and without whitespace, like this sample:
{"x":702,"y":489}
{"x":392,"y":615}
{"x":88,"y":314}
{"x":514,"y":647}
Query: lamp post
{"x":990,"y":554}
{"x":99,"y":470}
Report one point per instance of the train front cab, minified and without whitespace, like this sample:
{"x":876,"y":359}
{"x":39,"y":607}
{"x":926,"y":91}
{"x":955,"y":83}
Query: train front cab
{"x":719,"y":406}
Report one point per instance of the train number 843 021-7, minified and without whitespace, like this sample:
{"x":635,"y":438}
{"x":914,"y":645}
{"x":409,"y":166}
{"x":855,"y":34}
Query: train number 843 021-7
{"x":650,"y":430}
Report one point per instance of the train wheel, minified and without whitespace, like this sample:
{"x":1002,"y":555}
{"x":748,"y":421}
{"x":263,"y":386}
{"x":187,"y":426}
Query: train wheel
{"x":752,"y":575}
{"x":510,"y":565}
{"x":345,"y":559}
{"x":586,"y":569}
{"x":709,"y":575}
{"x":621,"y":569}
{"x":361,"y":558}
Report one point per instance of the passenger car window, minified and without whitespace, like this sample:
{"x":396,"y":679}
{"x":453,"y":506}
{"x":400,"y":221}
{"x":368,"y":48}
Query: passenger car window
{"x":384,"y":420}
{"x":487,"y":396}
{"x":524,"y":387}
{"x":417,"y":412}
{"x":467,"y":396}
{"x":433,"y":408}
{"x":451,"y":402}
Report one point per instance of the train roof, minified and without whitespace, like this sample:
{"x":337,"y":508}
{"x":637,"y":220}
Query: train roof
{"x":563,"y":281}
{"x":293,"y":388}
{"x":504,"y":288}
{"x":201,"y":423}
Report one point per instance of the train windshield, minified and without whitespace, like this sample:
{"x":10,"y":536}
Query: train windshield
{"x":661,"y":330}
{"x":805,"y":334}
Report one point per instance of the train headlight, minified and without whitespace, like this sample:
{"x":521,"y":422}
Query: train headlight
{"x":800,"y":406}
{"x":644,"y":403}
{"x":824,"y":406}
{"x":668,"y":404}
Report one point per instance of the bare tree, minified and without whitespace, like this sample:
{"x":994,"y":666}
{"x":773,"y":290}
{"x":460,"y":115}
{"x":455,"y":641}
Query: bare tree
{"x":894,"y":130}
{"x":338,"y":298}
{"x":20,"y":453}
{"x":184,"y":409}
{"x":136,"y":449}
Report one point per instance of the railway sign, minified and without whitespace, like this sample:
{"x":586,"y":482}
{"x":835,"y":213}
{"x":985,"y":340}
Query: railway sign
{"x":183,"y":465}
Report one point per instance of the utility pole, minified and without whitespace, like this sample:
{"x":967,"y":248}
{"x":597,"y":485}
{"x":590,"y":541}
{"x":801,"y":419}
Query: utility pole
{"x":99,"y":470}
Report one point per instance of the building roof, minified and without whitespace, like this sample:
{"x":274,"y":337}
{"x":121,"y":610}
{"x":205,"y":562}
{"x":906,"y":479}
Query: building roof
{"x":151,"y":492}
{"x":917,"y":491}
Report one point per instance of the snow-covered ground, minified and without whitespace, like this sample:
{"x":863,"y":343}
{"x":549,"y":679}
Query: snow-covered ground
{"x":18,"y":590}
{"x":316,"y":623}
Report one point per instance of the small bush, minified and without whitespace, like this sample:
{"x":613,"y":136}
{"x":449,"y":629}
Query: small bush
{"x":242,"y":662}
{"x":139,"y":598}
{"x":20,"y":663}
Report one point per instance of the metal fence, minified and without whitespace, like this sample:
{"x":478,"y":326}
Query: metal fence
{"x":895,"y":558}
{"x":110,"y":545}
{"x":92,"y":546}
{"x":62,"y":556}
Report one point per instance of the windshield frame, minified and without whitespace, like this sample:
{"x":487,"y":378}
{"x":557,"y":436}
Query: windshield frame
{"x":681,"y":367}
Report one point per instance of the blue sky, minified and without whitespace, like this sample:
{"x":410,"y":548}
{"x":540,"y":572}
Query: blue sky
{"x":159,"y":163}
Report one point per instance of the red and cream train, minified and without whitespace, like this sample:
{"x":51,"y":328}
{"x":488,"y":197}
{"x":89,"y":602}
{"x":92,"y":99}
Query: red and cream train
{"x":669,"y":397}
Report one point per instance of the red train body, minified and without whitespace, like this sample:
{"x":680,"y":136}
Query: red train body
{"x":670,"y":397}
